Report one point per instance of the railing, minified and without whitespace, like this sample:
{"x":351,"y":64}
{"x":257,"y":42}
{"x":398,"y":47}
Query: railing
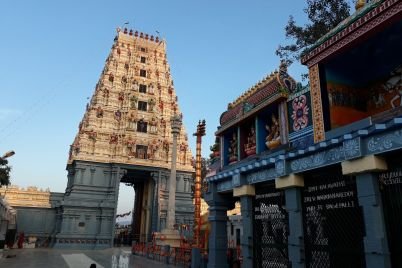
{"x":176,"y":255}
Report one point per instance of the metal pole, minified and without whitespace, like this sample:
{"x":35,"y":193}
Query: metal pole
{"x":197,"y":187}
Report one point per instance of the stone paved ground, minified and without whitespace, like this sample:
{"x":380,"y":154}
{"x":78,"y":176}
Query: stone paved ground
{"x":113,"y":258}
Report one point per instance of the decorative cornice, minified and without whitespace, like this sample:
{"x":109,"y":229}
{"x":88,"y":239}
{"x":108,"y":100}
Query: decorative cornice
{"x":351,"y":29}
{"x":137,"y":34}
{"x":374,"y":139}
{"x":277,"y":84}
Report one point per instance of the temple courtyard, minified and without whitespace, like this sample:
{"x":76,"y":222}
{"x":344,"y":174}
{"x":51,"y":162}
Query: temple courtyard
{"x":113,"y":257}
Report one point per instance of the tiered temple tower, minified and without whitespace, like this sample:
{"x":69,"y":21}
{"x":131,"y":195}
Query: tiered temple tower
{"x":125,"y":136}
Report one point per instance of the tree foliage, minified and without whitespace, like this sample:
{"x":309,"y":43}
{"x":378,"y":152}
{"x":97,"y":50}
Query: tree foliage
{"x":4,"y":172}
{"x":323,"y":15}
{"x":204,"y":167}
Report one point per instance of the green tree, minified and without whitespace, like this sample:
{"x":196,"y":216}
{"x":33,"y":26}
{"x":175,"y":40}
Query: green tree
{"x":204,"y":167}
{"x":323,"y":15}
{"x":4,"y":172}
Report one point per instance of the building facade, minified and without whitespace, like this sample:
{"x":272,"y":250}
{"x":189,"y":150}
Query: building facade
{"x":34,"y":213}
{"x":317,"y":169}
{"x":7,"y":223}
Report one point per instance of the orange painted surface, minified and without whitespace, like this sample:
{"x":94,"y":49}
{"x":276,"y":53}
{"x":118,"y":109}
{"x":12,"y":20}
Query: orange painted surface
{"x":341,"y":116}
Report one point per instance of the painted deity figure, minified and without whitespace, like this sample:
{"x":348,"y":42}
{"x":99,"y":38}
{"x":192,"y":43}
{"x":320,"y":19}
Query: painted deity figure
{"x":163,"y":125}
{"x":151,"y":103}
{"x":133,"y":102}
{"x":153,"y":124}
{"x":135,"y":85}
{"x":92,"y":135}
{"x":249,"y":147}
{"x":121,"y":96}
{"x":132,"y":119}
{"x":153,"y":146}
{"x":130,"y":146}
{"x":99,"y":112}
{"x":114,"y":139}
{"x":233,"y":148}
{"x":151,"y":89}
{"x":273,"y":138}
{"x":183,"y":152}
{"x":117,"y":115}
{"x":166,"y":147}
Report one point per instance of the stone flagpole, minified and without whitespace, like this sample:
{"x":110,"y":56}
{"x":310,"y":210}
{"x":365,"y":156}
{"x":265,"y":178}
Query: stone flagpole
{"x":171,"y":214}
{"x":169,"y":236}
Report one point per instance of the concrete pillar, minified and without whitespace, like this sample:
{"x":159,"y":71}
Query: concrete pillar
{"x":218,"y":243}
{"x":155,"y":204}
{"x":369,"y":196}
{"x":295,"y":238}
{"x":246,"y":194}
{"x":3,"y":231}
{"x":292,"y":184}
{"x":148,"y":209}
{"x":196,"y":258}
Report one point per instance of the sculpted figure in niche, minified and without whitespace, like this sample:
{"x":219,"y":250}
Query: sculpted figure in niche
{"x":151,"y":103}
{"x":153,"y":124}
{"x":117,"y":115}
{"x":92,"y":135}
{"x":183,"y":152}
{"x":114,"y":139}
{"x":130,"y":146}
{"x":135,"y":85}
{"x":249,"y":147}
{"x":161,"y":105}
{"x":233,"y":148}
{"x":165,"y":152}
{"x":163,"y":125}
{"x":99,"y":112}
{"x":121,"y":96}
{"x":273,"y":138}
{"x":151,"y":88}
{"x":132,"y":119}
{"x":153,"y":146}
{"x":133,"y":102}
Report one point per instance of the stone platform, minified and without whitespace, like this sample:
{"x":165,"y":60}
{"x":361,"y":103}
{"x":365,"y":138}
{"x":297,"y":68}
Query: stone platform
{"x":113,"y":257}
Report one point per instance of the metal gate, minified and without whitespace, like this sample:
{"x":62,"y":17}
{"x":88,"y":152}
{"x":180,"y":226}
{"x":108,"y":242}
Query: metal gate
{"x":391,"y":191}
{"x":271,"y":228}
{"x":332,"y":221}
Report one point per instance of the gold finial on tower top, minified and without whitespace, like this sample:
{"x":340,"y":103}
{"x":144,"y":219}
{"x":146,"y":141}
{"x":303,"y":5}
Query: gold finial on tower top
{"x":360,"y":4}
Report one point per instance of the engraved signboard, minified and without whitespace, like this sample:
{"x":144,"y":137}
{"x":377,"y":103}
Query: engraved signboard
{"x":333,"y":221}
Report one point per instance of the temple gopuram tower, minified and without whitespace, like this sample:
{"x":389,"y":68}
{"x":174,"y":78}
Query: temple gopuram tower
{"x":125,"y":137}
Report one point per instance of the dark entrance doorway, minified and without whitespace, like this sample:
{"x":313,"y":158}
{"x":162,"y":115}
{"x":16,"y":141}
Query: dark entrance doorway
{"x":271,"y":227}
{"x":332,"y":220}
{"x":144,"y":187}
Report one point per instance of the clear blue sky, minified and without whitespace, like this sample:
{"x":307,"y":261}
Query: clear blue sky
{"x":52,"y":54}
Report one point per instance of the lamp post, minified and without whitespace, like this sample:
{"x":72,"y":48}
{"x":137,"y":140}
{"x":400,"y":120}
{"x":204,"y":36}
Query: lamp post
{"x":7,"y":155}
{"x":197,"y":187}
